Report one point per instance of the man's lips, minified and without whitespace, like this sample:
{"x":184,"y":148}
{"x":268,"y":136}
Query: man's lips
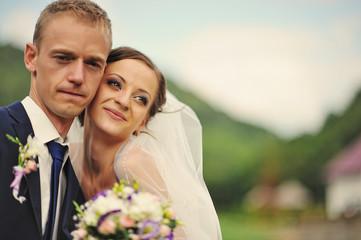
{"x":72,"y":93}
{"x":116,"y":115}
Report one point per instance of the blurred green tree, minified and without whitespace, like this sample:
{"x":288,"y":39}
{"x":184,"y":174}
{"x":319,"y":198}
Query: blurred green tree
{"x":15,"y":79}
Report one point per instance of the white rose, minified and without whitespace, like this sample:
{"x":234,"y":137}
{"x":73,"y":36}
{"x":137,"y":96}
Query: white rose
{"x":144,"y":206}
{"x":127,"y":191}
{"x":101,"y":206}
{"x":35,"y":146}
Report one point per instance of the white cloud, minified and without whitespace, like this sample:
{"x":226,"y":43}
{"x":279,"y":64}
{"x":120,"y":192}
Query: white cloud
{"x":286,"y":80}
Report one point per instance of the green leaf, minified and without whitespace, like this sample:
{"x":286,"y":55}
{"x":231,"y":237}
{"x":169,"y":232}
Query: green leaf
{"x":78,"y":209}
{"x":11,"y":138}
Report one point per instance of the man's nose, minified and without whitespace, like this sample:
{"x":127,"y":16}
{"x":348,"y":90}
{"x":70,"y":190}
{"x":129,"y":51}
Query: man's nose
{"x":76,"y":75}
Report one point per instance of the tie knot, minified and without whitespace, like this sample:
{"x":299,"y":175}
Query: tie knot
{"x":56,"y":150}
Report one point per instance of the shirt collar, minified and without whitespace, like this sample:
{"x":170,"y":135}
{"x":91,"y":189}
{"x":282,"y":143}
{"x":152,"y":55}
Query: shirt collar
{"x":43,"y":128}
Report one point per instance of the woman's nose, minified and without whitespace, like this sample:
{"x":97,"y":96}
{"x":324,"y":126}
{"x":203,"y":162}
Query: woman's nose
{"x":122,"y":99}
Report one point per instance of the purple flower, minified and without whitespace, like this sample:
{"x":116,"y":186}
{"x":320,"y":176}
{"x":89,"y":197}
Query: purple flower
{"x":170,"y":237}
{"x":104,"y":216}
{"x":129,"y":198}
{"x":103,"y":193}
{"x":149,"y":229}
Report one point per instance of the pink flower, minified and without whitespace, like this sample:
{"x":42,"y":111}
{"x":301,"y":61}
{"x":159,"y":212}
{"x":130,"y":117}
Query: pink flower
{"x":106,"y":227}
{"x":113,"y":196}
{"x":135,"y":237}
{"x":165,"y":230}
{"x":26,"y":170}
{"x":156,"y":198}
{"x":30,"y":166}
{"x":126,"y":222}
{"x":81,"y":233}
{"x":172,"y":213}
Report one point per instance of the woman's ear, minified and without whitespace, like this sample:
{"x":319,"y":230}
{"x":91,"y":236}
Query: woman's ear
{"x":30,"y":57}
{"x":141,"y":126}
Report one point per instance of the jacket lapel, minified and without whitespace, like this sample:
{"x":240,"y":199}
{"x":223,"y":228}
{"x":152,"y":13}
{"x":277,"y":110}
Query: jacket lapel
{"x":23,"y":129}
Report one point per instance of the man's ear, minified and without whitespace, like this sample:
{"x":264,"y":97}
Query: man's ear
{"x":30,"y":57}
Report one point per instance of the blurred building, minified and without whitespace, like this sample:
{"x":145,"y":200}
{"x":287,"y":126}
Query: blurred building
{"x":343,"y":191}
{"x":288,"y":195}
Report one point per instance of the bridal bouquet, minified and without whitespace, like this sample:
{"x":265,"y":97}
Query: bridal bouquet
{"x":125,"y":213}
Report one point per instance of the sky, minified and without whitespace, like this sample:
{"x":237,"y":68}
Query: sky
{"x":283,"y":65}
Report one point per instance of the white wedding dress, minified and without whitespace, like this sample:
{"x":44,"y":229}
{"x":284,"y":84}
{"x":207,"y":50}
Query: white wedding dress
{"x":167,"y":161}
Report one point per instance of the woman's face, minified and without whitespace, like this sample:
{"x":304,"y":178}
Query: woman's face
{"x":124,"y":98}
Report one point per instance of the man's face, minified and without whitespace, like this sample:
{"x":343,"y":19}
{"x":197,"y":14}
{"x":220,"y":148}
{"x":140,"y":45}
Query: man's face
{"x":67,"y":66}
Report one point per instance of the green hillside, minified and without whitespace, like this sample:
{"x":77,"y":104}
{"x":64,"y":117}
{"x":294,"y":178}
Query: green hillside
{"x":14,"y":78}
{"x":237,"y":155}
{"x":234,"y":152}
{"x":305,"y":157}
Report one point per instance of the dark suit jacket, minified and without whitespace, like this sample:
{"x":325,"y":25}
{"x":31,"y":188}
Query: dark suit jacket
{"x":23,"y":221}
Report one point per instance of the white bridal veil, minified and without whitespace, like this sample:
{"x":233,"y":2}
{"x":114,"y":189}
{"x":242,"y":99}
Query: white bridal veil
{"x":167,"y":160}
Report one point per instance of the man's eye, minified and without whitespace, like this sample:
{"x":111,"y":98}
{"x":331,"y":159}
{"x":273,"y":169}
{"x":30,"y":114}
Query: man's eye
{"x":62,"y":58}
{"x":93,"y":64}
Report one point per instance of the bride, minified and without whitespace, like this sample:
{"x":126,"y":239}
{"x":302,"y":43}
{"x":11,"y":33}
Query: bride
{"x":135,"y":129}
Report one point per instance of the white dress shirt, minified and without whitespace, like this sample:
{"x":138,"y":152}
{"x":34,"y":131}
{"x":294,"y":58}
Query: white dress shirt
{"x":45,"y":131}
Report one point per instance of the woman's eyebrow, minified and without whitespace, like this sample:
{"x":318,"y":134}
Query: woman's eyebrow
{"x":121,"y":78}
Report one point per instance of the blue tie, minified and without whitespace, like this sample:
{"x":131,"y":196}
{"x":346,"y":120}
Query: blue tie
{"x":57,"y":152}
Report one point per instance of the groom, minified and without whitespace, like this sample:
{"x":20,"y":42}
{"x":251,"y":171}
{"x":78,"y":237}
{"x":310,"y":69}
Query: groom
{"x":66,"y":61}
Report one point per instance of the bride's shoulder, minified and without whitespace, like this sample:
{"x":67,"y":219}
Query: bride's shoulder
{"x":132,"y":153}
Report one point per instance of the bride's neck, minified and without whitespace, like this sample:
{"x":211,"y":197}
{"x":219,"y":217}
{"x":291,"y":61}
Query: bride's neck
{"x":99,"y":151}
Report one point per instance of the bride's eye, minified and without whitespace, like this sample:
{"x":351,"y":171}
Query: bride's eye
{"x":114,"y":83}
{"x":142,"y":99}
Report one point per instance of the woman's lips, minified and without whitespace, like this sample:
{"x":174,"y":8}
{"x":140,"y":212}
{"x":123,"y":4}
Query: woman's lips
{"x":116,"y":115}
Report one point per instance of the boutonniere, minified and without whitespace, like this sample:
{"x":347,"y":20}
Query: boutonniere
{"x":26,"y":162}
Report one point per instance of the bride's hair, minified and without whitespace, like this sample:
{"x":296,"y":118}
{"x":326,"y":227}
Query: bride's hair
{"x":121,"y":53}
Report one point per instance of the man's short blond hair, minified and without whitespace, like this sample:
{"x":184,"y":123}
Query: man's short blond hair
{"x":84,"y":10}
